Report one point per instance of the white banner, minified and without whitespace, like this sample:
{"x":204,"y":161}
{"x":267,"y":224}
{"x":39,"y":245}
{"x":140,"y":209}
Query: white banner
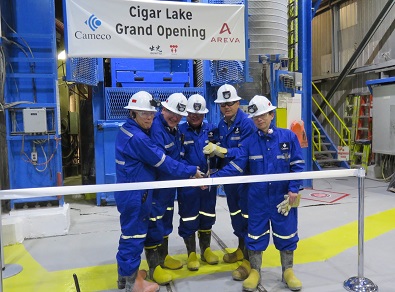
{"x":154,"y":29}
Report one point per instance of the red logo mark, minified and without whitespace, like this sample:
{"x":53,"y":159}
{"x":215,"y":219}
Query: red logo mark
{"x":173,"y":48}
{"x":225,"y":28}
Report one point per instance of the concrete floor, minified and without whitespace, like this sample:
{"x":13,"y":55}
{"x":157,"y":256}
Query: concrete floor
{"x":327,"y":253}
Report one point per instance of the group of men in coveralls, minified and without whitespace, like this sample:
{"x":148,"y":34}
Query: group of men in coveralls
{"x":154,"y":146}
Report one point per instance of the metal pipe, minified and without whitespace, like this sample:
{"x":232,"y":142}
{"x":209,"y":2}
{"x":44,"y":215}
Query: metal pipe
{"x":1,"y":252}
{"x":361,"y":216}
{"x":380,"y":18}
{"x":360,"y":283}
{"x":305,"y":67}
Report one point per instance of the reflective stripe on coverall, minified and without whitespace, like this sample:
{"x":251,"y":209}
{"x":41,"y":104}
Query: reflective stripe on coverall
{"x":231,"y":139}
{"x":277,"y":152}
{"x":161,"y":218}
{"x":137,"y":159}
{"x":196,"y":206}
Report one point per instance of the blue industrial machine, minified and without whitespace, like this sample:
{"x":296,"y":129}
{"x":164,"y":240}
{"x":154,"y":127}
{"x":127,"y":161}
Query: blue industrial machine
{"x":31,"y":98}
{"x":32,"y":101}
{"x":281,"y":80}
{"x":116,"y":80}
{"x":285,"y":92}
{"x":285,"y":83}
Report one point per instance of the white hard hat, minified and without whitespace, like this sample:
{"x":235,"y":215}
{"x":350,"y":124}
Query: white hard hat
{"x":196,"y":104}
{"x":259,"y":105}
{"x":226,"y":93}
{"x":142,"y":101}
{"x":176,"y":103}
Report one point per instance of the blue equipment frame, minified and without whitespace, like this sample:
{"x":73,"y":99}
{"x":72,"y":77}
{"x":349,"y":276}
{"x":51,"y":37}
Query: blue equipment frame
{"x":34,"y":157}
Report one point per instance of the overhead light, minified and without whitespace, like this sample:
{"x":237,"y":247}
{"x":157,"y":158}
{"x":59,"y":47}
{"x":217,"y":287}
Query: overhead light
{"x":62,"y":55}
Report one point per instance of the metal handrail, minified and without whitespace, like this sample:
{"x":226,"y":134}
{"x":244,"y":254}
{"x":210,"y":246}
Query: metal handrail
{"x":344,"y":126}
{"x":316,"y":145}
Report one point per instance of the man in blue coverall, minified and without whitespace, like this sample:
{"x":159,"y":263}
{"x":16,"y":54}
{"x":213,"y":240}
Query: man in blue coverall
{"x":270,"y":150}
{"x":196,"y":206}
{"x":166,"y":135}
{"x":137,"y":159}
{"x":233,"y":128}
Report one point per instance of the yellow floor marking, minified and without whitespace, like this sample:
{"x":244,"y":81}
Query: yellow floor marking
{"x":313,"y":249}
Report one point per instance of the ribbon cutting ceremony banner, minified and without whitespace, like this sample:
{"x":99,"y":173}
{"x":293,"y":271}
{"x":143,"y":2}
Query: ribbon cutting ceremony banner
{"x":155,"y":30}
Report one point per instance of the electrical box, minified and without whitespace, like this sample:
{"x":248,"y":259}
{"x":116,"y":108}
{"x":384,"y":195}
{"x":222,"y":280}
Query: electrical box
{"x":35,"y":120}
{"x":384,"y":119}
{"x":298,"y":79}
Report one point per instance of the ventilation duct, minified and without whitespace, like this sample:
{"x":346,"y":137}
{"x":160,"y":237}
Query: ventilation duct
{"x":268,"y":33}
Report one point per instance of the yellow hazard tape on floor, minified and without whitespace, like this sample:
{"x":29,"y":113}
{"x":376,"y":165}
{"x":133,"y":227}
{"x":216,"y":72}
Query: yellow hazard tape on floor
{"x":313,"y":249}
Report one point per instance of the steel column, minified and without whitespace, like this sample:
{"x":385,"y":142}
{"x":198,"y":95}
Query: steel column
{"x":360,"y":283}
{"x":305,"y":67}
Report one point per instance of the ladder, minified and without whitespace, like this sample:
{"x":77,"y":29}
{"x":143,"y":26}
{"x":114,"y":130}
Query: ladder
{"x":293,"y":35}
{"x":350,"y":118}
{"x":361,"y":154}
{"x":364,"y":123}
{"x":361,"y":149}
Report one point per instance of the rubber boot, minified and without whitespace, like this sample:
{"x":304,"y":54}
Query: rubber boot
{"x":193,"y":263}
{"x":205,"y":251}
{"x":121,"y":282}
{"x":136,"y":283}
{"x":254,"y":278}
{"x":167,"y":261}
{"x":156,"y":272}
{"x":288,"y":277}
{"x":242,"y":272}
{"x":129,"y":282}
{"x":237,"y":255}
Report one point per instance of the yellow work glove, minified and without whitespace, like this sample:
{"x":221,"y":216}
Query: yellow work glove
{"x":284,"y":207}
{"x":213,"y":149}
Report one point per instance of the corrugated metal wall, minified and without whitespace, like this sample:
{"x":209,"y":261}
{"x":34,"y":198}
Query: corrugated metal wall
{"x":355,"y":19}
{"x":322,"y":44}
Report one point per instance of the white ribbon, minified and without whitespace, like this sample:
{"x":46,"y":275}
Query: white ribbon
{"x":102,"y":188}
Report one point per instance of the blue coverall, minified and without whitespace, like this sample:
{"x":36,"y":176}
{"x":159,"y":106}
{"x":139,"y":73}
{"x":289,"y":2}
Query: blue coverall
{"x":161,"y":221}
{"x":231,"y":139}
{"x":276,"y":152}
{"x":137,"y":159}
{"x":196,"y":206}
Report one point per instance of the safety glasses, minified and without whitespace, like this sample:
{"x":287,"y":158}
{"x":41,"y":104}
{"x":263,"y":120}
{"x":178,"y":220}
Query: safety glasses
{"x":145,"y":114}
{"x":229,"y":103}
{"x":173,"y":114}
{"x":262,"y":116}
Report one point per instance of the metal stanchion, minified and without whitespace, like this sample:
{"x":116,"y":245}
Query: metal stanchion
{"x":360,"y":283}
{"x":6,"y":271}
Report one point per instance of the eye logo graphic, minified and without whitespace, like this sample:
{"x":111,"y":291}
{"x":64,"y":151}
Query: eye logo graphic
{"x":93,"y":22}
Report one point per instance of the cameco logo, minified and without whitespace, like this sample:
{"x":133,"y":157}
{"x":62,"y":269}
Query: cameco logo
{"x":93,"y":22}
